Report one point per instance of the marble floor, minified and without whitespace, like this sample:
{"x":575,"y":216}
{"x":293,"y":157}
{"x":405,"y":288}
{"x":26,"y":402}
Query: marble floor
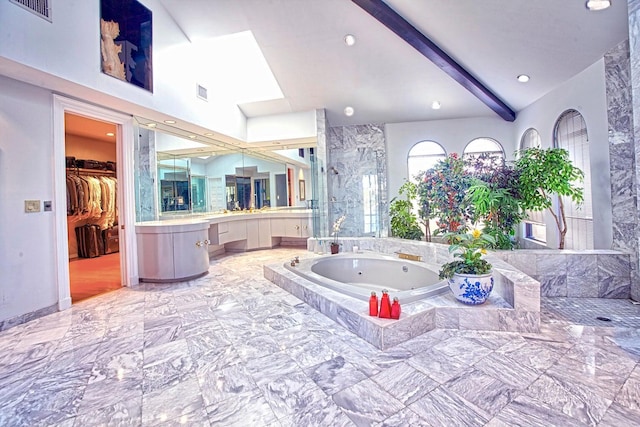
{"x":233,"y":349}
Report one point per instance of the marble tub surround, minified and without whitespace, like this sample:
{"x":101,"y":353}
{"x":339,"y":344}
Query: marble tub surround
{"x":442,"y":311}
{"x":231,"y":348}
{"x":520,"y":291}
{"x":567,"y":273}
{"x":514,"y":304}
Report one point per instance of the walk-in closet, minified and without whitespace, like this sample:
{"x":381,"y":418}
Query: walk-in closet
{"x":92,"y":208}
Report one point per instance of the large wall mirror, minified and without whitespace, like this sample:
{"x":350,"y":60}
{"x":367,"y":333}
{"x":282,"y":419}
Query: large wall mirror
{"x":180,"y":175}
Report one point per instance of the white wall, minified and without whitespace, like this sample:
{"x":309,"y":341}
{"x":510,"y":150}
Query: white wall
{"x":90,"y":149}
{"x":27,"y":264}
{"x":65,"y":55}
{"x":453,"y":135}
{"x":282,"y":126}
{"x":585,"y":93}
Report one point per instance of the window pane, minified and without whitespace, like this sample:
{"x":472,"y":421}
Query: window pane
{"x":423,"y":156}
{"x":483,"y":145}
{"x":570,"y":133}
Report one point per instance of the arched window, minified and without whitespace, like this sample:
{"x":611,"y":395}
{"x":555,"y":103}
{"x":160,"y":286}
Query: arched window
{"x":534,"y":226}
{"x":423,"y":156}
{"x":483,"y":150}
{"x":570,"y":133}
{"x":530,"y":139}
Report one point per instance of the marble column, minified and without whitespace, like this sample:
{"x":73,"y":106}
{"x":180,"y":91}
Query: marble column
{"x":357,"y":179}
{"x":321,"y":223}
{"x":621,"y":151}
{"x":146,"y":172}
{"x":634,"y":54}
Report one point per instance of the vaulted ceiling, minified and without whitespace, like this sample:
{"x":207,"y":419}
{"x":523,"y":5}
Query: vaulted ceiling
{"x":385,"y":79}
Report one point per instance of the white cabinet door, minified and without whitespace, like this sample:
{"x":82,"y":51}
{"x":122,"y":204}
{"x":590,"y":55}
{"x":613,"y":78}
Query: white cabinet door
{"x":279,"y":227}
{"x":190,"y":253}
{"x":305,"y":227}
{"x":155,"y":256}
{"x":232,"y":231}
{"x":294,"y":229}
{"x":264,"y":233}
{"x":253,"y":234}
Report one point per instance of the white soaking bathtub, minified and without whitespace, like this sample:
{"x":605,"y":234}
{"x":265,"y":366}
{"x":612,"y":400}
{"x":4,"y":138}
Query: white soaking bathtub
{"x":358,"y":274}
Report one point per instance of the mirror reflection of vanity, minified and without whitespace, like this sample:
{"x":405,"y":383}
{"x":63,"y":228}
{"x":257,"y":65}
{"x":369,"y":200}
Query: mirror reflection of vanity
{"x":196,"y":197}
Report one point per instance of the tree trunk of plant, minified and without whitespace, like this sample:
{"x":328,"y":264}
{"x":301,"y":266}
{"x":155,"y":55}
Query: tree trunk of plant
{"x":427,"y":231}
{"x":561,"y":223}
{"x":563,"y":230}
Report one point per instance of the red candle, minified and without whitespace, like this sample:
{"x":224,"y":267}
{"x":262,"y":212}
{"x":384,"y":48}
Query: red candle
{"x":373,"y":304}
{"x":385,"y":305}
{"x":395,"y":309}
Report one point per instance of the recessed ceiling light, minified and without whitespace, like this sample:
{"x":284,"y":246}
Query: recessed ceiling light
{"x":348,"y":111}
{"x":110,"y":134}
{"x":435,"y":105}
{"x":349,"y":39}
{"x":192,"y":136}
{"x":598,"y":4}
{"x":170,"y":122}
{"x":523,"y":78}
{"x":208,"y":134}
{"x":151,"y":125}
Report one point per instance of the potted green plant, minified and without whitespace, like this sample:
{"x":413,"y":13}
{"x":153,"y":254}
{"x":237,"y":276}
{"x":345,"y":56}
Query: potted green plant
{"x":469,"y":276}
{"x":404,"y":222}
{"x":335,"y":246}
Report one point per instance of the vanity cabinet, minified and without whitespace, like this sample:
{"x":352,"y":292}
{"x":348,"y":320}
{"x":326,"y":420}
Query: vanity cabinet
{"x":290,"y":227}
{"x":172,"y":252}
{"x":259,"y":233}
{"x":231,"y":231}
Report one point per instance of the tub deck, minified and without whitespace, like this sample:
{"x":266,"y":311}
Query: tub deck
{"x":514,"y":304}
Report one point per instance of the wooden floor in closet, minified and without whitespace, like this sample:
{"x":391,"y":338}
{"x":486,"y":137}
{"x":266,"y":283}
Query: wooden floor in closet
{"x":93,"y":276}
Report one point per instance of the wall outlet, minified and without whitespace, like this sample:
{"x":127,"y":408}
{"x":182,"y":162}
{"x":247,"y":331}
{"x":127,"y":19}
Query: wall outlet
{"x":31,"y":206}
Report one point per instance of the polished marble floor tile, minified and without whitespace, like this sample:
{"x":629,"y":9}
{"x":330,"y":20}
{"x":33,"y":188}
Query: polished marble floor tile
{"x":232,"y":349}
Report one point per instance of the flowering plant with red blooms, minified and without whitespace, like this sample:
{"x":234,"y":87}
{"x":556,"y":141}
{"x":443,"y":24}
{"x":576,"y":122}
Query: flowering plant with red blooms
{"x":442,"y":194}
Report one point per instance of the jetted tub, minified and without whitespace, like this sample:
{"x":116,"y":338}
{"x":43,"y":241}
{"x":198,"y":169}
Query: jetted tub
{"x":357,"y":275}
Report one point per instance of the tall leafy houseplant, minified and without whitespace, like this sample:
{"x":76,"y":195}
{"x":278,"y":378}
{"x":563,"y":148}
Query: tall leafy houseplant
{"x":544,"y":172}
{"x":404,"y":223}
{"x":495,"y":198}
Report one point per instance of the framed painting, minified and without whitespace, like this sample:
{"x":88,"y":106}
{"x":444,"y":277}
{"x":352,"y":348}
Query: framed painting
{"x":302,"y":189}
{"x":126,"y":42}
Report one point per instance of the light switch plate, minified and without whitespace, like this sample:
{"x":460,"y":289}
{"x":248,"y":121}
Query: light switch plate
{"x":31,"y":206}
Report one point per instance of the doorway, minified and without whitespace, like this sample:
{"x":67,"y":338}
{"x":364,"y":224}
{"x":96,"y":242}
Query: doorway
{"x":125,"y":194}
{"x":281,"y":190}
{"x":92,"y":209}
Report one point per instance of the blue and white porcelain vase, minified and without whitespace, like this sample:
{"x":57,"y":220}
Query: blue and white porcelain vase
{"x":471,"y":289}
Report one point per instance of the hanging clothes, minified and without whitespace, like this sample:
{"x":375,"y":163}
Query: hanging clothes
{"x":92,"y":198}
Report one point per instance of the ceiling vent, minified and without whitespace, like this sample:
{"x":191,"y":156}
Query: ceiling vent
{"x":201,"y":92}
{"x":38,"y":7}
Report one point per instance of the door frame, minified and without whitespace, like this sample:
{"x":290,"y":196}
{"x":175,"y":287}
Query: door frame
{"x":125,"y":197}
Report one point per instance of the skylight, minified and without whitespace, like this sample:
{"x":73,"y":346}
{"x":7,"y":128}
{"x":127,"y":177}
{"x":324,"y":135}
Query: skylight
{"x":236,"y":69}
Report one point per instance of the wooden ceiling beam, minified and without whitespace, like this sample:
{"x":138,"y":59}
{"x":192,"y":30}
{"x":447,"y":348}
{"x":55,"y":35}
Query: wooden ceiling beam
{"x":396,"y":23}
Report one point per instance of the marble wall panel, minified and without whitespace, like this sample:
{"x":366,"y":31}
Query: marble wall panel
{"x":146,"y":176}
{"x":356,"y":152}
{"x":633,"y":10}
{"x":321,"y":158}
